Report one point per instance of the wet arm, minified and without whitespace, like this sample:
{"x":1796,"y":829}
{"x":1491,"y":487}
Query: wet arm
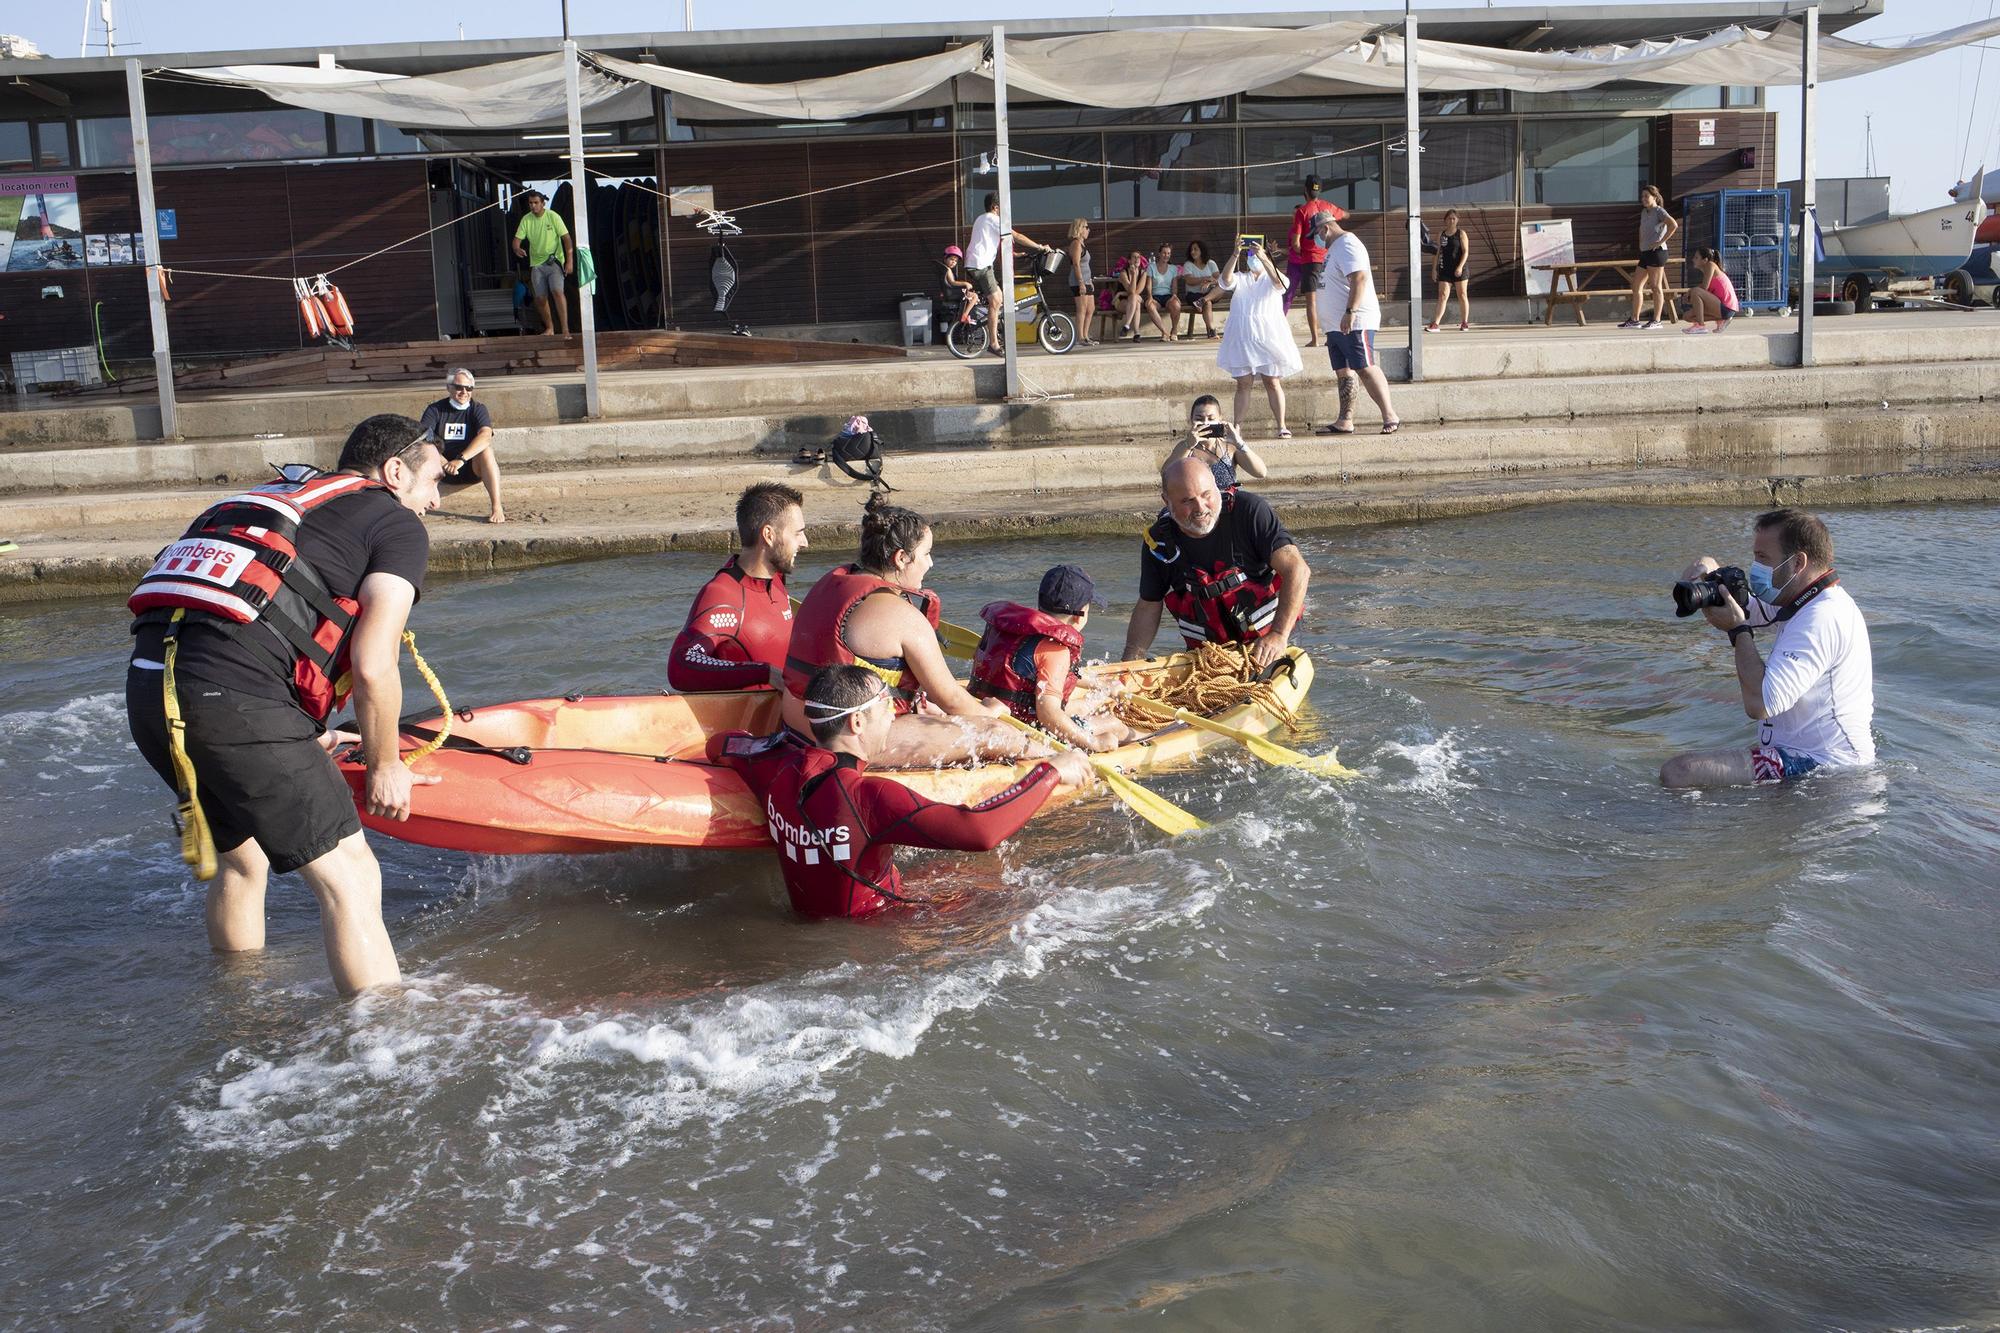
{"x":1143,"y":628}
{"x":895,"y":814}
{"x":925,"y":661}
{"x":1296,"y":574}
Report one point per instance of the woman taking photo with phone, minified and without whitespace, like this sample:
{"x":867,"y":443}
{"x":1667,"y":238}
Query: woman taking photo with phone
{"x":1219,"y":444}
{"x":1257,"y":345}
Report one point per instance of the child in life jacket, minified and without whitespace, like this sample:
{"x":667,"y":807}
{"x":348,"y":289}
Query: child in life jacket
{"x":837,"y":826}
{"x":1029,"y":660}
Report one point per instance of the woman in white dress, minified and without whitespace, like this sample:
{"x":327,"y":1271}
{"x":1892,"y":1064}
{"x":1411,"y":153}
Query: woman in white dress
{"x":1257,"y":344}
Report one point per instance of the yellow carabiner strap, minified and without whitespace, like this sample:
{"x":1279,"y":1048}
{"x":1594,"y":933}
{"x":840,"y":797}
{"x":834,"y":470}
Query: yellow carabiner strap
{"x":197,"y":843}
{"x":444,"y":704}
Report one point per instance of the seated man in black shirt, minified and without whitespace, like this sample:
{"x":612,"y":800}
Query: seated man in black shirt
{"x":463,"y":432}
{"x":1223,"y":564}
{"x":257,"y":620}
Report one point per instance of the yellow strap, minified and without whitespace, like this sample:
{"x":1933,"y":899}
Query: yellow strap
{"x":197,"y":843}
{"x":444,"y":704}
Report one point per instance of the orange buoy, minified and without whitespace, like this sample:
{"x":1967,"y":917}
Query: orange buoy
{"x":339,"y":318}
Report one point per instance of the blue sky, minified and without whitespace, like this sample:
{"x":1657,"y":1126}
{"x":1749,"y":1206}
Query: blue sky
{"x":1927,"y":119}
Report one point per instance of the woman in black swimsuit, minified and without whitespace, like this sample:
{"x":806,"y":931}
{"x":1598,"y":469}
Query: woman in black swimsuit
{"x":1454,"y":253}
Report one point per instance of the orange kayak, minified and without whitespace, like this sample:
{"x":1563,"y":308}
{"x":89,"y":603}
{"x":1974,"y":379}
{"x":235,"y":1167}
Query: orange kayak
{"x":607,"y":773}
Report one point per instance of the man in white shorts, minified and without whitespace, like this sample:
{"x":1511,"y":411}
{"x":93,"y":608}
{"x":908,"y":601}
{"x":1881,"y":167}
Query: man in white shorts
{"x":1814,"y":698}
{"x":1351,"y":316}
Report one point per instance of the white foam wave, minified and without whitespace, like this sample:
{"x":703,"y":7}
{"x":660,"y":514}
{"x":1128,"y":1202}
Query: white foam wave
{"x":779,"y":1043}
{"x":1433,"y":767}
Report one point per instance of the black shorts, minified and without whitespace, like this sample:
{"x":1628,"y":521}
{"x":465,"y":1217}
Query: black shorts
{"x":1308,"y":275}
{"x":983,"y":281}
{"x":257,"y":762}
{"x":1655,"y":258}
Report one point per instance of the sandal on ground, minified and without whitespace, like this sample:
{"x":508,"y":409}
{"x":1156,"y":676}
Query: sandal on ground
{"x":1391,"y":427}
{"x":1335,"y":428}
{"x":1284,"y":434}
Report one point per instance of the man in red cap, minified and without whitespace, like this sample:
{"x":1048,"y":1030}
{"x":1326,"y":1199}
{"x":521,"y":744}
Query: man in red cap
{"x":1307,"y":254}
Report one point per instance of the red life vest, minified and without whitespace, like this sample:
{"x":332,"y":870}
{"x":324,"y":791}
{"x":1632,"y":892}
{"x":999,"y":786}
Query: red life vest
{"x":819,"y":630}
{"x":1004,"y":668}
{"x":1225,"y":603}
{"x":238,"y":565}
{"x":738,"y":628}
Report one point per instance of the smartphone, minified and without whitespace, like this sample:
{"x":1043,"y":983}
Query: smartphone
{"x":1213,"y":430}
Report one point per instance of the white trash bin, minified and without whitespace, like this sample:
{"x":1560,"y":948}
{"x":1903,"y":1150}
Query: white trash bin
{"x":919,"y":320}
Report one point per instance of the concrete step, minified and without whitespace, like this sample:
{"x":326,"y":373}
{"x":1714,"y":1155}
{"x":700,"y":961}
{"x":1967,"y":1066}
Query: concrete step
{"x":740,"y":400}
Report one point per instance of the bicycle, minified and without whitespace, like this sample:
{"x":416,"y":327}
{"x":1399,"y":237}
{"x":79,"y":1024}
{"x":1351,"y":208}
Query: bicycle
{"x":1054,"y":330}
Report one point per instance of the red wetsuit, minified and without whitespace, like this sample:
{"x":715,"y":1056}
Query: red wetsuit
{"x":738,"y":629}
{"x":838,"y":828}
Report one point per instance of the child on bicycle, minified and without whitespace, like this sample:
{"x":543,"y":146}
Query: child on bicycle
{"x":956,"y":285}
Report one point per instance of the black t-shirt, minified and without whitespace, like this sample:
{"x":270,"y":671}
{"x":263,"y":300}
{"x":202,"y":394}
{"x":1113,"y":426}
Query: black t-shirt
{"x":344,"y":540}
{"x":453,"y":429}
{"x":1247,"y":535}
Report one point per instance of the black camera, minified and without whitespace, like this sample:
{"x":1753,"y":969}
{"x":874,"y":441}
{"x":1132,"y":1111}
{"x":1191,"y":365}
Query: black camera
{"x":1692,"y":595}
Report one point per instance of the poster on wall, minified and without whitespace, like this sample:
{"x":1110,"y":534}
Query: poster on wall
{"x":1545,"y":243}
{"x":97,"y":250}
{"x":40,"y":224}
{"x":121,"y":247}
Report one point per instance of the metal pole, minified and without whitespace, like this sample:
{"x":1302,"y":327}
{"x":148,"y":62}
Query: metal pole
{"x":1006,"y":256}
{"x":1412,"y":150}
{"x":593,"y":406}
{"x":687,"y":15}
{"x":149,"y":225}
{"x":1808,"y":187}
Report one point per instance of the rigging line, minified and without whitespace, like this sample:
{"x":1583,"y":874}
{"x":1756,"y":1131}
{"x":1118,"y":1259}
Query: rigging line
{"x":1231,"y":166}
{"x":1966,"y":148}
{"x":267,"y":277}
{"x":825,"y":189}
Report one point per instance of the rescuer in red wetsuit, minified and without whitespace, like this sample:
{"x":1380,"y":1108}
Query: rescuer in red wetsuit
{"x":1028,"y":659}
{"x":837,"y":828}
{"x":741,"y":623}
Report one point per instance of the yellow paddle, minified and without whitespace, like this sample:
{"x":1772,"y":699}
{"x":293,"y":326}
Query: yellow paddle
{"x":1155,"y":809}
{"x":956,"y":640}
{"x":1325,"y":765}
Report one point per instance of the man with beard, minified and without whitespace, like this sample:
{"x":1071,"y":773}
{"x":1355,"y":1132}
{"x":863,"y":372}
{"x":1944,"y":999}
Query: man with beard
{"x":741,"y":624}
{"x":1223,"y":564}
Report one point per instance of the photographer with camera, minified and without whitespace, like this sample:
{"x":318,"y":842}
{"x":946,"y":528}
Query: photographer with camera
{"x":1814,"y":698}
{"x":1219,"y":444}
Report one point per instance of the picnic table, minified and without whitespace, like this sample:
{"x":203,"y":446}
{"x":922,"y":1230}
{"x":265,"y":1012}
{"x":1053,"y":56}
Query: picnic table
{"x":1580,"y":276}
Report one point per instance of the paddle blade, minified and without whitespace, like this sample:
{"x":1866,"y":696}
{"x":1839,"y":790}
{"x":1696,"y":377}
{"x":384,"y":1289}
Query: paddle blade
{"x":1268,"y":750}
{"x":957,"y":640}
{"x":1156,"y":810}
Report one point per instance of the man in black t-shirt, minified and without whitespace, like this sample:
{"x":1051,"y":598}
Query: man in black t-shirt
{"x":271,"y":794}
{"x":1224,"y":563}
{"x":463,"y":432}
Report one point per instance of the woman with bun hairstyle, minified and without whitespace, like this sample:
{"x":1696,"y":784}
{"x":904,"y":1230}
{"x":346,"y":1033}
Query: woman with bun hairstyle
{"x":877,"y":614}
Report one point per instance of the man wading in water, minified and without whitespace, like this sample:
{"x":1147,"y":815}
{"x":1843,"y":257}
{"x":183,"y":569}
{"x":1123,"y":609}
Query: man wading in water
{"x":250,"y":647}
{"x":741,"y":622}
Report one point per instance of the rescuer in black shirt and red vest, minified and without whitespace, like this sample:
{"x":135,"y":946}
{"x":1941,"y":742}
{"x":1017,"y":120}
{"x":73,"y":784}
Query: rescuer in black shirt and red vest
{"x":1222,"y":564}
{"x":837,"y":828}
{"x":248,"y":633}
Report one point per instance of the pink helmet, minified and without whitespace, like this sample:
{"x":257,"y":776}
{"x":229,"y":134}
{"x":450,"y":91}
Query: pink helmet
{"x":954,"y":250}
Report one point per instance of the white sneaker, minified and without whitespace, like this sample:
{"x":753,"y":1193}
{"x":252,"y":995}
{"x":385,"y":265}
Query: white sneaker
{"x":1695,"y":328}
{"x":1652,"y":324}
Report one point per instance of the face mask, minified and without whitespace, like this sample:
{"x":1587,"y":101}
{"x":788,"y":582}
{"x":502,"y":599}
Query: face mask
{"x":461,"y":406}
{"x":1254,"y":264}
{"x":1761,"y":586}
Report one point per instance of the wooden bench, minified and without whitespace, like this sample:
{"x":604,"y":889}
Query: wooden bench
{"x":1578,"y":298}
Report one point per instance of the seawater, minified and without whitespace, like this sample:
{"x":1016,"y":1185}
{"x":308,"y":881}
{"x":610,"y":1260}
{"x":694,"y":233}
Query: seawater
{"x":1500,"y":1036}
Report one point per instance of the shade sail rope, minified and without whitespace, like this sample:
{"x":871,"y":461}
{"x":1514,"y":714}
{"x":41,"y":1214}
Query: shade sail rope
{"x":174,"y":270}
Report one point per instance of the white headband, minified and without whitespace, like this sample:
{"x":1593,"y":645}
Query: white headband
{"x":829,"y":714}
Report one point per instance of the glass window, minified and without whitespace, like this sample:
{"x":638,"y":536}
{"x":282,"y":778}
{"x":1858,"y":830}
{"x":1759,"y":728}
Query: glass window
{"x":1583,"y":161}
{"x":1058,"y":115}
{"x":1185,"y":173}
{"x":1346,"y":158}
{"x":1045,"y":190}
{"x":389,"y":139}
{"x":1739,"y":95}
{"x":1471,"y":163}
{"x":16,"y":149}
{"x":52,"y":143}
{"x":1624,"y":96}
{"x":350,"y":135}
{"x":105,"y":141}
{"x":1328,"y":108}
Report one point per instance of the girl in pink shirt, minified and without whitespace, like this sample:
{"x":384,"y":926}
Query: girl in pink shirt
{"x":1715,"y":298}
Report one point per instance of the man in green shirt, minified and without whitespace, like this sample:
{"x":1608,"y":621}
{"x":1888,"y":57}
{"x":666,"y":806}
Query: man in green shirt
{"x":551,"y":256}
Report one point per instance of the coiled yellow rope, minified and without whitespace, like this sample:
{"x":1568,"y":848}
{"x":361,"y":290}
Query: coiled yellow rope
{"x":1214,"y":677}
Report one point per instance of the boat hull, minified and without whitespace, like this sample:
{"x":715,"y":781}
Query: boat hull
{"x":610,"y":773}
